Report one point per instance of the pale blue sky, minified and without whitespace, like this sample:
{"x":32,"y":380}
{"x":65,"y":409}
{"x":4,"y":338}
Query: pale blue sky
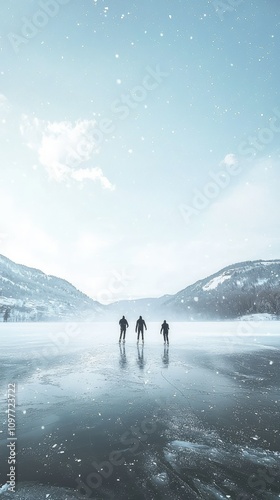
{"x":98,"y":156}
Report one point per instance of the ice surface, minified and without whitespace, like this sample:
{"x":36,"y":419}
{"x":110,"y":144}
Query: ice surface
{"x":31,"y":491}
{"x":4,"y":488}
{"x":194,"y":420}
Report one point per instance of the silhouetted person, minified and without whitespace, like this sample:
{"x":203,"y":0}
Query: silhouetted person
{"x":6,"y":315}
{"x":164,"y":329}
{"x":140,"y":324}
{"x":123,"y":325}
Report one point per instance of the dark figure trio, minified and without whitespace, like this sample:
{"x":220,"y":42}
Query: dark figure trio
{"x":139,"y":328}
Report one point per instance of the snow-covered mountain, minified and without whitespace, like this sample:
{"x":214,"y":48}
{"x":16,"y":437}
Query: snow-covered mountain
{"x":30,"y":295}
{"x":246,"y":288}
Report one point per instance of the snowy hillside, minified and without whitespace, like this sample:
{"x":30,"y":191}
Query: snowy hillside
{"x":31,"y":295}
{"x":247,"y":288}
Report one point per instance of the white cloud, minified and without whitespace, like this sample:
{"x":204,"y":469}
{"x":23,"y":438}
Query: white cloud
{"x":93,"y":174}
{"x":229,"y":160}
{"x":62,"y":148}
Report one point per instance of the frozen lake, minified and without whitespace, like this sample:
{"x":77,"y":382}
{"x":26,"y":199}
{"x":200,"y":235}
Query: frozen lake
{"x":94,"y":419}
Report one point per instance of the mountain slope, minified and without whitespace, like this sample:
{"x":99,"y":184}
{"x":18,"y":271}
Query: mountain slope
{"x":237,"y":290}
{"x":246,"y":288}
{"x":30,"y":294}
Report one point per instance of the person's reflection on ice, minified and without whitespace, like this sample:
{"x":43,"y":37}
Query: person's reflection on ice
{"x":123,"y":360}
{"x":140,"y":359}
{"x":165,"y":356}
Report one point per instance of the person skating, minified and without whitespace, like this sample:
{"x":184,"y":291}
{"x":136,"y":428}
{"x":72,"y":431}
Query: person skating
{"x":140,"y":324}
{"x":164,"y":329}
{"x":6,"y":315}
{"x":123,"y":326}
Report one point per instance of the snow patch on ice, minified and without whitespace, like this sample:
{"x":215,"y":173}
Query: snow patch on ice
{"x":189,"y":445}
{"x":4,"y":488}
{"x":258,"y":317}
{"x":210,"y":491}
{"x":161,"y":478}
{"x":261,"y":456}
{"x":34,"y":491}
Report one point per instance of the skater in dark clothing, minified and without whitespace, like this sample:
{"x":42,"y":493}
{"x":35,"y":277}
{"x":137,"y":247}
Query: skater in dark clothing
{"x":6,"y":315}
{"x":140,"y":324}
{"x":164,"y":329}
{"x":123,"y":325}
